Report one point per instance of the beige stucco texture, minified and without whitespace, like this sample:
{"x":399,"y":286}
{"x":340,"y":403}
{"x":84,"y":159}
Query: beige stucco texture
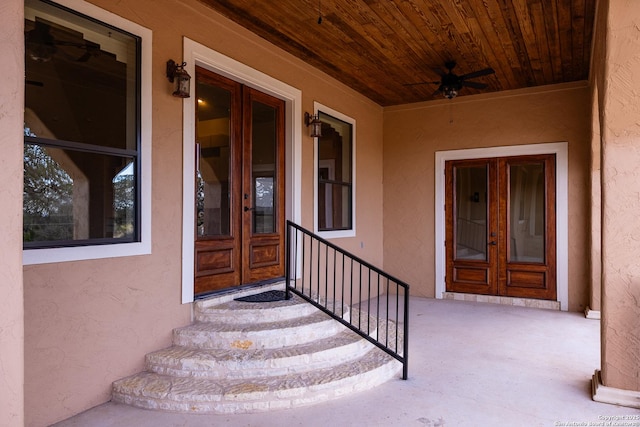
{"x":11,"y":306}
{"x":414,"y":133}
{"x":91,"y":322}
{"x":619,"y":74}
{"x":88,"y":323}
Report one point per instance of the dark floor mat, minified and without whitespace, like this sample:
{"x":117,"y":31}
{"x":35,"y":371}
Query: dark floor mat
{"x":268,"y":296}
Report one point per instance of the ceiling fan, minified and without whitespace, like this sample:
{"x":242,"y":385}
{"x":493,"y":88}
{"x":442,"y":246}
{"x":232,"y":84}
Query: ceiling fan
{"x":451,"y":83}
{"x":41,"y":45}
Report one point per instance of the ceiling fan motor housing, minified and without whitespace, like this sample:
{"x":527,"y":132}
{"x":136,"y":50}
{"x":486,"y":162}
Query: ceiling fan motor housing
{"x":450,"y":85}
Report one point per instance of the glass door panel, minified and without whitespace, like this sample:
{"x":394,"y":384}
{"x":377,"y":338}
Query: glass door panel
{"x":527,"y":212}
{"x":471,"y":245}
{"x":471,"y":212}
{"x":214,"y":158}
{"x":263,"y":167}
{"x":263,"y":187}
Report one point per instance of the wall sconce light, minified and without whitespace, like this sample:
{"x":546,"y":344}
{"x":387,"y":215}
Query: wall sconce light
{"x":315,"y":123}
{"x":178,"y":75}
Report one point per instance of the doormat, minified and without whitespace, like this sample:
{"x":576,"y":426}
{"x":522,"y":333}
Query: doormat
{"x":268,"y":296}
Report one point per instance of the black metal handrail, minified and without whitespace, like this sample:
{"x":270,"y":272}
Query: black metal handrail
{"x":328,"y":276}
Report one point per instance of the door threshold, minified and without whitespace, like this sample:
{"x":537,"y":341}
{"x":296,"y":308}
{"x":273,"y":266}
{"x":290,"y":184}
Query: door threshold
{"x":229,"y":294}
{"x":492,"y":299}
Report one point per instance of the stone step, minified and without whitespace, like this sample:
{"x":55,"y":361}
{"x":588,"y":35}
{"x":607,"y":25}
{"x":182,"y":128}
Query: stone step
{"x":238,"y":363}
{"x":201,"y":395}
{"x":247,"y":336}
{"x":248,"y":357}
{"x":238,"y":312}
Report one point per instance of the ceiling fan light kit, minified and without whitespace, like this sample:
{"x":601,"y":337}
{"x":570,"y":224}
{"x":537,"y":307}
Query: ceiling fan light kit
{"x":451,"y":84}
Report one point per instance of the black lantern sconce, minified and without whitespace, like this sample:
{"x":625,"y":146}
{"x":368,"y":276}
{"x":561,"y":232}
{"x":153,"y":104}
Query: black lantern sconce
{"x":178,"y":75}
{"x":315,"y":123}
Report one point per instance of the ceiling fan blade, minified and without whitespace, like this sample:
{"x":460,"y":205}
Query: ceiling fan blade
{"x":478,"y":73}
{"x":476,"y":85}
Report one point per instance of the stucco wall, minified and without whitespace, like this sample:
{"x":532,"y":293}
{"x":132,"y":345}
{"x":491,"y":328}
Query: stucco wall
{"x":596,"y":80}
{"x":618,"y":79}
{"x":11,"y":307}
{"x":91,"y":322}
{"x":412,"y":135}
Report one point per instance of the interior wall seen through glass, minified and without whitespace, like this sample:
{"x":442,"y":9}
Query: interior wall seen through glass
{"x":471,"y":212}
{"x":527,"y":212}
{"x":263,"y":167}
{"x":335,"y":189}
{"x":213,"y":191}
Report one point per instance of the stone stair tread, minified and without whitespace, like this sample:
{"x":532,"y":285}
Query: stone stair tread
{"x":289,"y":332}
{"x":205,"y":362}
{"x":156,"y":391}
{"x":273,"y":305}
{"x":237,"y":312}
{"x":214,"y":327}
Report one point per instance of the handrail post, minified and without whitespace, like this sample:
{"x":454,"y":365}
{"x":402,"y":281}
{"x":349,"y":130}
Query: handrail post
{"x":287,"y":274}
{"x":405,"y":355}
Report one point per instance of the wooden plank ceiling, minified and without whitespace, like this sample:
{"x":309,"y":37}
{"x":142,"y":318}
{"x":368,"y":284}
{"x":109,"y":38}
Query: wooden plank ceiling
{"x":381,"y":47}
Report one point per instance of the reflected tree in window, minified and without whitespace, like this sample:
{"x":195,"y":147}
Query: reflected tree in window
{"x":48,"y":197}
{"x":124,"y":196}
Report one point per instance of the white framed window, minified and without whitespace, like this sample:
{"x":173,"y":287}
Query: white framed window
{"x":87,"y":134}
{"x":334,"y":160}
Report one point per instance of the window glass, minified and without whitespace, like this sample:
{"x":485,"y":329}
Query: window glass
{"x":82,"y":134}
{"x":335,"y":183}
{"x":471,"y":188}
{"x":213,"y":180}
{"x":527,"y":212}
{"x":264,"y":144}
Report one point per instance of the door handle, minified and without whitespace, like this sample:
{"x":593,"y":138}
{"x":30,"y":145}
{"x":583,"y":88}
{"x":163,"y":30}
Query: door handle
{"x":247,"y":209}
{"x":493,"y":243}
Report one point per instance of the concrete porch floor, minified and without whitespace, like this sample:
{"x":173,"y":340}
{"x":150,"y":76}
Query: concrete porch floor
{"x":470,"y":364}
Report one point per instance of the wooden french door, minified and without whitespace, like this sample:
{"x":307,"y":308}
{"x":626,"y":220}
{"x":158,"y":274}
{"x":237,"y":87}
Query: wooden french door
{"x":501,"y":226}
{"x":239,"y":184}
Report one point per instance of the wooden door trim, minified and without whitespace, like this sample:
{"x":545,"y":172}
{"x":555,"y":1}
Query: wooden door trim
{"x":560,"y":149}
{"x":195,"y":53}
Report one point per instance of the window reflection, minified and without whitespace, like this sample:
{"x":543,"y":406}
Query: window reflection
{"x":335,"y":174}
{"x":471,"y":210}
{"x":263,"y":159}
{"x":526,"y":210}
{"x":81,"y":130}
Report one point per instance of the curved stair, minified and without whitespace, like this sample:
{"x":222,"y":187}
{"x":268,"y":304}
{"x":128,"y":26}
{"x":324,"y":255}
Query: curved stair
{"x":248,"y":357}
